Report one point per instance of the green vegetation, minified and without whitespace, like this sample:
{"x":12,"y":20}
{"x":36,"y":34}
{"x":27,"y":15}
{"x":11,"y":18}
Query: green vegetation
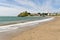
{"x":24,"y":14}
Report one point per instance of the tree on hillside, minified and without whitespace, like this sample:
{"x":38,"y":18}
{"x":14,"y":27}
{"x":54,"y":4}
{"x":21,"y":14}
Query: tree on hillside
{"x":29,"y":13}
{"x":23,"y":14}
{"x":39,"y":14}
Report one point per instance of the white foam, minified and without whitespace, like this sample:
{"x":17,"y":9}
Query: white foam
{"x":16,"y":26}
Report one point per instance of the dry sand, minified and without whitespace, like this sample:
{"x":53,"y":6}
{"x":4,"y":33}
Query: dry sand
{"x":45,"y":31}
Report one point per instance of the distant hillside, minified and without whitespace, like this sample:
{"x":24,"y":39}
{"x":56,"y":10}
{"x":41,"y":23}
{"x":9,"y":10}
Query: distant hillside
{"x":23,"y":14}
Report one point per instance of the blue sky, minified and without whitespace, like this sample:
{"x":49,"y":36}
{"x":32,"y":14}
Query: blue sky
{"x":14,"y":7}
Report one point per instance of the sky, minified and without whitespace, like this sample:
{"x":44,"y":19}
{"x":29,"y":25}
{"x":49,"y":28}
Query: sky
{"x":14,"y":7}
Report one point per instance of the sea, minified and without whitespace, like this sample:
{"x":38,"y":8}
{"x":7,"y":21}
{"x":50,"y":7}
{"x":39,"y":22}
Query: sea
{"x":6,"y":20}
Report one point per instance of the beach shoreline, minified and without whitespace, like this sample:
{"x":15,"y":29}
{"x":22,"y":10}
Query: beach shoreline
{"x":46,"y":31}
{"x":30,"y":23}
{"x":16,"y":20}
{"x":14,"y":30}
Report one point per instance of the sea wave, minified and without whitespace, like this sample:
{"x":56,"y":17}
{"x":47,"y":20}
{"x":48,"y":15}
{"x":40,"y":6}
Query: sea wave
{"x":21,"y":25}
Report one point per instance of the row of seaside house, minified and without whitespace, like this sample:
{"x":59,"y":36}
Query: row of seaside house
{"x":46,"y":14}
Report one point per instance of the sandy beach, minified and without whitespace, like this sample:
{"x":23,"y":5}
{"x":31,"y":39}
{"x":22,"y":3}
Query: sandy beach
{"x":44,"y":31}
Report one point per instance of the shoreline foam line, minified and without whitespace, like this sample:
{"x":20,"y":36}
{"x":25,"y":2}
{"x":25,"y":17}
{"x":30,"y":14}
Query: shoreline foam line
{"x":21,"y":25}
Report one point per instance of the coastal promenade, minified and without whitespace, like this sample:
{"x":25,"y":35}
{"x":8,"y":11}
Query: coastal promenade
{"x":44,"y":31}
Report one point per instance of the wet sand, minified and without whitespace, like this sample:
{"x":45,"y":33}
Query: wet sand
{"x":44,"y":31}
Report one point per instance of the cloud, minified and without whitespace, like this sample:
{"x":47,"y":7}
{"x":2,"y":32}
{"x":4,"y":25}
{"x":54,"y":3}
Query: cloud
{"x":57,"y":2}
{"x":5,"y":11}
{"x":13,"y":7}
{"x":8,"y":11}
{"x":47,"y":5}
{"x":30,"y":3}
